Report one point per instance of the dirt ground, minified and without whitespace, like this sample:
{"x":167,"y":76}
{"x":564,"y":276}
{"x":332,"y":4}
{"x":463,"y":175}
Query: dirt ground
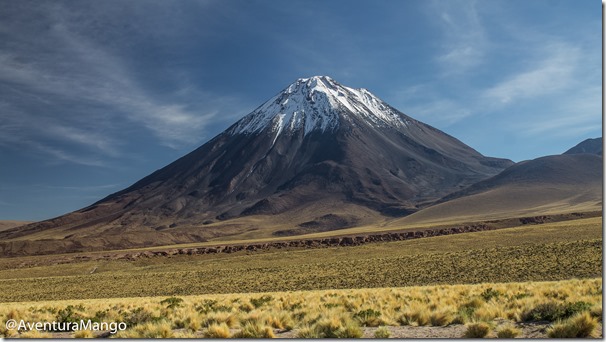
{"x":529,"y":330}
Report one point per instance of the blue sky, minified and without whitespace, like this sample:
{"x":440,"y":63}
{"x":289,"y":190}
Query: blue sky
{"x":94,"y":95}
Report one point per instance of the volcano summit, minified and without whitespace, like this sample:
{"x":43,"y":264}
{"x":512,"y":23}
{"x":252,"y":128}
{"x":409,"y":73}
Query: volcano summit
{"x":318,"y":155}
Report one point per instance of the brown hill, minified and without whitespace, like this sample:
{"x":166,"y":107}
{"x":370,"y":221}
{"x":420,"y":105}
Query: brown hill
{"x":593,"y":146}
{"x":6,"y":224}
{"x":552,"y":184}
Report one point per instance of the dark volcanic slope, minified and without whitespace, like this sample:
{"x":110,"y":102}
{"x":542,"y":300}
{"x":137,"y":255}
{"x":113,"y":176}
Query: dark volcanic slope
{"x":593,"y":146}
{"x":315,"y":143}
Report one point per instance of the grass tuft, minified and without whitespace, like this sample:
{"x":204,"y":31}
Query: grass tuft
{"x":578,"y":326}
{"x":508,"y":331}
{"x":349,"y":330}
{"x":220,"y":317}
{"x":554,"y":311}
{"x":382,"y":332}
{"x":308,"y":332}
{"x":217,"y":331}
{"x":255,"y":330}
{"x":369,"y":318}
{"x":477,"y":330}
{"x":338,"y":327}
{"x":282,"y":321}
{"x":440,"y":318}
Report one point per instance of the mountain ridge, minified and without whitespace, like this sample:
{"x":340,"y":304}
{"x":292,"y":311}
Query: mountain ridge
{"x":354,"y":157}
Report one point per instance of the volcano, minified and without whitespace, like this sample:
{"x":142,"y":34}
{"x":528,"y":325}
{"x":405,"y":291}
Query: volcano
{"x":317,"y":154}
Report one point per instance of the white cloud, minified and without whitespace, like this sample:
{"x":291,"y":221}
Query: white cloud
{"x":62,"y":155}
{"x":440,"y":112}
{"x":464,"y":41}
{"x":577,"y":114}
{"x":553,"y":73}
{"x":91,"y":139}
{"x":98,"y":77}
{"x":63,"y":69}
{"x":554,"y":94}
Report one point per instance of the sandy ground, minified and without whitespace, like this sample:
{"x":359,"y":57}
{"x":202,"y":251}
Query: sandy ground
{"x":529,"y":330}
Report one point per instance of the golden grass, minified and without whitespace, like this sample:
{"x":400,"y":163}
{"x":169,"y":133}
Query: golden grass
{"x":382,"y":332}
{"x":477,"y":330}
{"x":580,"y":325}
{"x":508,"y":331}
{"x":329,"y":313}
{"x":217,"y":331}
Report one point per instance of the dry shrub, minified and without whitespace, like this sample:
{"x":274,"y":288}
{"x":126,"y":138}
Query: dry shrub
{"x":466,"y":311}
{"x":369,"y":318}
{"x":217,"y":331}
{"x":255,"y":330}
{"x":338,"y":327}
{"x":328,"y":327}
{"x":220,"y":317}
{"x":596,"y":312}
{"x":580,"y":325}
{"x":194,"y":324}
{"x":508,"y":331}
{"x":477,"y":330}
{"x":555,"y":311}
{"x":440,"y":318}
{"x":382,"y":332}
{"x":415,"y":314}
{"x":308,"y":332}
{"x":282,"y":320}
{"x":488,"y":312}
{"x":349,"y":330}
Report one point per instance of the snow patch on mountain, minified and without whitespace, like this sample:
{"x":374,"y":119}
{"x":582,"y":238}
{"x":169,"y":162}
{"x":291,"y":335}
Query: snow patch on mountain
{"x":317,"y":104}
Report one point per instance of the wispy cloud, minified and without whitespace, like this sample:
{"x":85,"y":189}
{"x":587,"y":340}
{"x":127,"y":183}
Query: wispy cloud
{"x":463,"y":41}
{"x":522,"y":70}
{"x":57,"y":155}
{"x":86,"y":138}
{"x":436,"y":111}
{"x":576,"y":115}
{"x":67,"y":87}
{"x":98,"y":77}
{"x":554,"y":72}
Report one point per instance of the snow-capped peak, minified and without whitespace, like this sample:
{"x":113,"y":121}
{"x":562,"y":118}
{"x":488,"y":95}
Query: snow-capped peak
{"x":316,"y":103}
